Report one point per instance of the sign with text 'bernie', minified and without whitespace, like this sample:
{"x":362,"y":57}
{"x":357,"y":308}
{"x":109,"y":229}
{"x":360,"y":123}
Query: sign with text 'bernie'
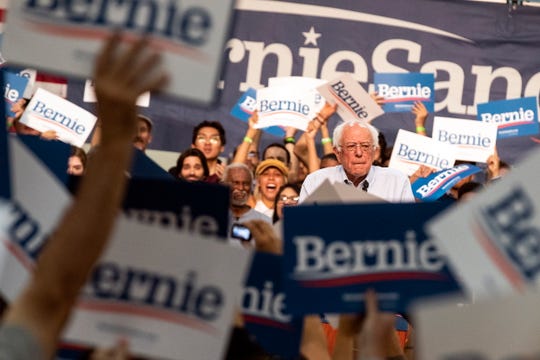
{"x":170,"y":296}
{"x":264,"y":307}
{"x":435,"y":185}
{"x":284,"y":106}
{"x":353,"y":102}
{"x":14,"y":87}
{"x":515,"y":117}
{"x":246,"y":105}
{"x":190,"y":34}
{"x":328,"y":268}
{"x":412,"y":150}
{"x":473,"y":140}
{"x":493,"y":240}
{"x":401,"y":91}
{"x":49,"y":112}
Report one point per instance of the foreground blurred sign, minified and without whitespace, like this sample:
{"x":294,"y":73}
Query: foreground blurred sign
{"x":190,"y":35}
{"x":330,"y":264}
{"x":493,"y":240}
{"x":170,"y":296}
{"x":502,"y":329}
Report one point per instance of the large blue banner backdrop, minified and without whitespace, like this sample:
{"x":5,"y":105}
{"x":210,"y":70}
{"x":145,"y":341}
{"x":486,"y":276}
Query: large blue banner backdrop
{"x":478,"y":52}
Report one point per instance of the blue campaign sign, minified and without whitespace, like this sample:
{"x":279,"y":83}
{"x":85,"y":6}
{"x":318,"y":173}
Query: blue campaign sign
{"x":401,"y":91}
{"x":515,"y":117}
{"x":437,"y":184}
{"x":245,"y":107}
{"x":334,"y":253}
{"x":265,"y":311}
{"x":14,"y":86}
{"x":198,"y":207}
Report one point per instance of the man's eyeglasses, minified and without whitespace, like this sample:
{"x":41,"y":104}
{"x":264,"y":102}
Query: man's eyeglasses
{"x":351,"y":147}
{"x":290,"y":198}
{"x":211,"y":140}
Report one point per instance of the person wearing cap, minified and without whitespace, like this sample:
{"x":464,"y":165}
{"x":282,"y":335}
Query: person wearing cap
{"x":144,"y":132}
{"x":355,"y":143}
{"x":271,"y":174}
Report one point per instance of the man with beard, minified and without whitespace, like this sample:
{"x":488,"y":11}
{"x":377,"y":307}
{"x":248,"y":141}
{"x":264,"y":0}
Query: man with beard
{"x":239,"y":179}
{"x":144,"y":133}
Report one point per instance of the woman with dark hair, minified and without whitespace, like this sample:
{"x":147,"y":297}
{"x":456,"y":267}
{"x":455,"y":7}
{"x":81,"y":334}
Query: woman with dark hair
{"x":191,"y":166}
{"x":287,"y":195}
{"x":76,"y":161}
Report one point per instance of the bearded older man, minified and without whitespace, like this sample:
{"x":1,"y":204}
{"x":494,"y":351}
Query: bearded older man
{"x":239,"y":178}
{"x":355,"y":143}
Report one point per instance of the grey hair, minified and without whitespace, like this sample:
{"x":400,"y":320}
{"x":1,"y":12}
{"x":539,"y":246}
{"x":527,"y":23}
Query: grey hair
{"x":234,"y":166}
{"x":338,"y":131}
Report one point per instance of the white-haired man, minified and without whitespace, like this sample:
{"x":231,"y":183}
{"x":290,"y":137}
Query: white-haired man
{"x":355,"y":143}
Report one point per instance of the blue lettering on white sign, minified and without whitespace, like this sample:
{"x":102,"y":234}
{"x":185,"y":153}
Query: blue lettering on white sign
{"x":191,"y":25}
{"x":423,"y":157}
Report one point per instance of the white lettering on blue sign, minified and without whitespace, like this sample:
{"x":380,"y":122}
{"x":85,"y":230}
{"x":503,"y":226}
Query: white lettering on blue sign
{"x":434,"y":183}
{"x":202,"y":224}
{"x":340,"y":257}
{"x":10,"y":94}
{"x":265,"y":303}
{"x":511,"y":116}
{"x":393,"y":92}
{"x":512,"y":220}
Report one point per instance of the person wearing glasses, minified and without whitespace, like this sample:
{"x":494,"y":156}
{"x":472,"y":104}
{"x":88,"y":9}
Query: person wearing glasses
{"x":288,"y":195}
{"x":209,"y":137}
{"x":355,"y":143}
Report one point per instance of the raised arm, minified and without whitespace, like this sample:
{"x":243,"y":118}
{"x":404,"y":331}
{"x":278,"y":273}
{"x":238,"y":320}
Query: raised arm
{"x":252,"y":137}
{"x":44,"y":306}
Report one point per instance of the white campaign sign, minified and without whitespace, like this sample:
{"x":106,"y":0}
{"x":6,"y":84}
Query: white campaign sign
{"x":501,"y":329}
{"x":493,"y":240}
{"x":171,"y":295}
{"x":37,"y":211}
{"x":284,"y":106}
{"x":474,"y":140}
{"x":190,"y":34}
{"x":90,"y":95}
{"x":304,"y":85}
{"x":47,"y":111}
{"x":412,"y":150}
{"x":353,"y":102}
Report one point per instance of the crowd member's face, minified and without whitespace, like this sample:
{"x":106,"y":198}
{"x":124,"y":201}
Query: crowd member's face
{"x":192,"y":169}
{"x":75,"y":166}
{"x":356,"y":151}
{"x":270,"y":180}
{"x":209,"y":142}
{"x":287,"y":197}
{"x":277,"y":153}
{"x":240,"y":186}
{"x":144,"y":135}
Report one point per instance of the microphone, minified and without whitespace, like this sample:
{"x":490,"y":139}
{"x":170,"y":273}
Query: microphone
{"x":365,"y":185}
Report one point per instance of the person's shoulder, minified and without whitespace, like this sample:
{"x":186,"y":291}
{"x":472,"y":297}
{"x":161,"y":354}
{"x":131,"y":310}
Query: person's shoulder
{"x":325,"y":172}
{"x":386,"y":171}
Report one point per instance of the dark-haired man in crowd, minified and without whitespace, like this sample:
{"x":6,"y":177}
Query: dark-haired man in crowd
{"x":209,"y":137}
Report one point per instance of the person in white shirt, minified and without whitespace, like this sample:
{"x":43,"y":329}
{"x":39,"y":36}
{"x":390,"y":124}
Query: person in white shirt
{"x":355,"y":144}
